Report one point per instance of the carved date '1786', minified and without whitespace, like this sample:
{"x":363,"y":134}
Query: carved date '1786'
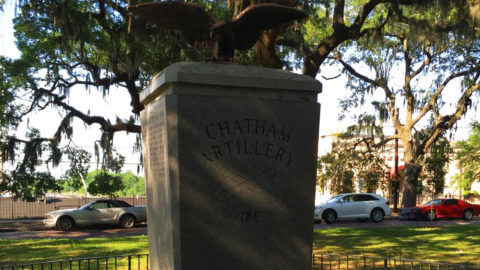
{"x":248,"y":216}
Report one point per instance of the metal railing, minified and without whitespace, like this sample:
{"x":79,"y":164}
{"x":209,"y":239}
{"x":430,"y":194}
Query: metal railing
{"x":124,"y":262}
{"x":358,"y":262}
{"x":319,"y":262}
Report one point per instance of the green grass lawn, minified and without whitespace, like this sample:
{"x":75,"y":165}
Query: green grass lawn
{"x":454,"y":244}
{"x":38,"y":250}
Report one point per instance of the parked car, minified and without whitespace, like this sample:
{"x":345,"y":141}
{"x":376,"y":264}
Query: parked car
{"x":353,"y":206}
{"x":97,"y":212}
{"x":441,"y":208}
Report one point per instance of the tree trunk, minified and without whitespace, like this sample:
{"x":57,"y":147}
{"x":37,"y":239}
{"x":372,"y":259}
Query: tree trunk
{"x":84,"y":184}
{"x":412,"y":172}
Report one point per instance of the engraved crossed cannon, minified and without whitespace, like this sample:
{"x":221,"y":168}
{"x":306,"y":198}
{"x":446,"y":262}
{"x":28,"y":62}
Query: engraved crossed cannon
{"x":260,"y":184}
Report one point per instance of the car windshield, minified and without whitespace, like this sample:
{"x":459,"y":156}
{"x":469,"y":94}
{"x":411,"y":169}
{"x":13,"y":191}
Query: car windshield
{"x":334,"y":199}
{"x":434,"y":202}
{"x":87,"y":205}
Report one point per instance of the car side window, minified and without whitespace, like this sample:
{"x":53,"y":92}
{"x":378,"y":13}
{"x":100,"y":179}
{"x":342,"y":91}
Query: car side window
{"x":119,"y":204}
{"x":100,"y":205}
{"x":366,"y":197}
{"x":451,"y":202}
{"x":359,"y":198}
{"x":349,"y":198}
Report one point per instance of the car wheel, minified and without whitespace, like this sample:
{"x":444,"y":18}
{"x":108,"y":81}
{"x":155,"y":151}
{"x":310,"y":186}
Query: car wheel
{"x":65,"y":223}
{"x":329,"y":216}
{"x":377,"y":215}
{"x":127,"y":221}
{"x":430,"y":215}
{"x":468,"y":214}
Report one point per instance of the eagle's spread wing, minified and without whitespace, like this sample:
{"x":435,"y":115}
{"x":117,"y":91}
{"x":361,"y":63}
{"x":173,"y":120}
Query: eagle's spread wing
{"x":257,"y":18}
{"x":190,"y":19}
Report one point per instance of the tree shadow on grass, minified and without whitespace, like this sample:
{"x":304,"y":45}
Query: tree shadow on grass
{"x":455,"y":244}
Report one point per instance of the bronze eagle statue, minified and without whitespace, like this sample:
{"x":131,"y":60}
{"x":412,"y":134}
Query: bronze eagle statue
{"x":201,"y":30}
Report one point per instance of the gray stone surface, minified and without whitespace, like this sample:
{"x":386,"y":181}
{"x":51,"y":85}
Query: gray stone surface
{"x":230,"y":155}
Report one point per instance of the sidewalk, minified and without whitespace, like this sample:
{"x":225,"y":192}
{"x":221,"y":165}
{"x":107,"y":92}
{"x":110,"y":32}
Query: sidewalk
{"x":13,"y":225}
{"x":9,"y":221}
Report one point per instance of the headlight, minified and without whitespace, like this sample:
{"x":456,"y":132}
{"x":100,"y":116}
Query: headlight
{"x":49,"y":217}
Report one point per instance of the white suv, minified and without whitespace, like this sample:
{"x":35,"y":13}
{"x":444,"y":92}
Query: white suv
{"x":353,"y":206}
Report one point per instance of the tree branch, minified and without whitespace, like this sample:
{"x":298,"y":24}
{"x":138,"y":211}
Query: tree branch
{"x":448,"y":121}
{"x":433,"y":99}
{"x":370,"y":142}
{"x":338,"y":13}
{"x":406,"y":84}
{"x":340,"y":34}
{"x":105,"y":124}
{"x":357,"y":74}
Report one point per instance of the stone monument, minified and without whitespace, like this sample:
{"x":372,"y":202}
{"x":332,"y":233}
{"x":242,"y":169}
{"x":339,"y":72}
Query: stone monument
{"x":230,"y":163}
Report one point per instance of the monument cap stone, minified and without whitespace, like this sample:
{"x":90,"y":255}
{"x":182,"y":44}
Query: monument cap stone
{"x":230,"y":164}
{"x":228,"y":75}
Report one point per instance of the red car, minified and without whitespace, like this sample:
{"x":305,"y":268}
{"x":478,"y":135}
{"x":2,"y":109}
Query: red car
{"x":442,"y":208}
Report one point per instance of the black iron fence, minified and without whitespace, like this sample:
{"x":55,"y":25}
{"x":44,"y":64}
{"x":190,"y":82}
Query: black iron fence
{"x":16,"y":209}
{"x":319,"y":262}
{"x":356,"y":262}
{"x":125,"y":262}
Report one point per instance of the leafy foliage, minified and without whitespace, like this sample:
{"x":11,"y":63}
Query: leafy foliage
{"x":349,"y":163}
{"x":134,"y":185}
{"x":436,"y":163}
{"x":8,"y":109}
{"x":131,"y":185}
{"x":79,"y":166}
{"x":468,"y":158}
{"x":28,"y":185}
{"x":105,"y":183}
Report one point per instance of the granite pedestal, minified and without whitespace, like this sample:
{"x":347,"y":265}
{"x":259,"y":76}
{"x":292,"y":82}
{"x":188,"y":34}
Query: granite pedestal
{"x":230,"y":162}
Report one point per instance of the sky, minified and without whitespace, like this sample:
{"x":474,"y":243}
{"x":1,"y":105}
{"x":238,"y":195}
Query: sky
{"x":117,"y":104}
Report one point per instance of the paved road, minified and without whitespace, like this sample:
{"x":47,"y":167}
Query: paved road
{"x":34,"y":229}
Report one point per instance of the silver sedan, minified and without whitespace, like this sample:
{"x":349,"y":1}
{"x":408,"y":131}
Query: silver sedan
{"x":353,"y":206}
{"x":97,"y":212}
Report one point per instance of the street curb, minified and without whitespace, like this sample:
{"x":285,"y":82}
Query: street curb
{"x":11,"y":221}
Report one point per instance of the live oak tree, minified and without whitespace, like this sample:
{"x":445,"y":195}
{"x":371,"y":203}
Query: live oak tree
{"x":422,"y":81}
{"x":77,"y":45}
